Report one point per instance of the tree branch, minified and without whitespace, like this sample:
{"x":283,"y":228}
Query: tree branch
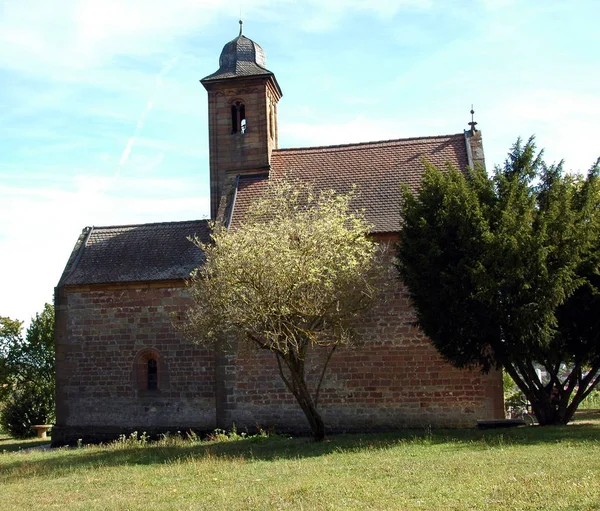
{"x":323,"y":373}
{"x":283,"y":377}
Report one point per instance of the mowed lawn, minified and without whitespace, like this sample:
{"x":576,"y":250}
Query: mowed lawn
{"x":525,"y":468}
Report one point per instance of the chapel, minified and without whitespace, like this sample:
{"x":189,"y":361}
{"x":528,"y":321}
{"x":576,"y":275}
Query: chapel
{"x":122,"y":365}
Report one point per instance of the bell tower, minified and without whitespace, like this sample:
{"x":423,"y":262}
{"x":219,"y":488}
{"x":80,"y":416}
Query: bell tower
{"x":242,"y":115}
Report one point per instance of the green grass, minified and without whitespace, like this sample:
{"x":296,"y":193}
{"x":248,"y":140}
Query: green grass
{"x":8,"y":444}
{"x":553,"y":468}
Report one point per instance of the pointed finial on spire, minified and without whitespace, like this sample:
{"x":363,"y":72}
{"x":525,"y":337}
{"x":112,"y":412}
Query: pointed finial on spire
{"x":473,"y":123}
{"x":241,"y":26}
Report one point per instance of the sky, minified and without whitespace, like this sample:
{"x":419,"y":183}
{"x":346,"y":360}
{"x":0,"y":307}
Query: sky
{"x":103,"y":120}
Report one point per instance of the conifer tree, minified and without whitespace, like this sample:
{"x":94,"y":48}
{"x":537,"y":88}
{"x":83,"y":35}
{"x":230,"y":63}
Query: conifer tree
{"x":504,"y":273}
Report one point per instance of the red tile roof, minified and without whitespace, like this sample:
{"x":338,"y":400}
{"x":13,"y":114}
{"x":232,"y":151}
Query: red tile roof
{"x":376,"y":168}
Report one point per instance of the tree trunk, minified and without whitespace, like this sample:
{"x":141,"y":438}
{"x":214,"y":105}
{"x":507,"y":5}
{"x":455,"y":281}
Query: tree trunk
{"x":297,"y":386}
{"x":548,"y":414}
{"x":313,"y":416}
{"x":557,"y":412}
{"x":550,"y":404}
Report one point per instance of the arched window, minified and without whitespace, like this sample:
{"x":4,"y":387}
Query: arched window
{"x":238,"y":117}
{"x":152,"y":374}
{"x":150,"y":371}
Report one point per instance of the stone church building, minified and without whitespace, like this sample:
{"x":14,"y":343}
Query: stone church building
{"x":121,"y":366}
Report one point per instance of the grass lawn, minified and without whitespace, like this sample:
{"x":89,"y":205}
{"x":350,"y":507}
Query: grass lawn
{"x":531,"y":468}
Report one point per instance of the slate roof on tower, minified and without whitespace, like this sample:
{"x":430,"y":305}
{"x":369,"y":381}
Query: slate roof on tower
{"x":240,"y":57}
{"x":135,"y":253}
{"x":376,"y":168}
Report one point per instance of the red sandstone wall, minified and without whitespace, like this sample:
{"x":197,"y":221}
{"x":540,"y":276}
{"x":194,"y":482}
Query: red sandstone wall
{"x":234,"y":153}
{"x":99,"y":334}
{"x":394,"y":379}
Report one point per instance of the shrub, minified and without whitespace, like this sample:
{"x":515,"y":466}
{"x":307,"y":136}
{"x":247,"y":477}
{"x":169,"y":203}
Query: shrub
{"x":221,"y":435}
{"x":514,"y":399}
{"x":28,"y":405}
{"x":591,"y":402}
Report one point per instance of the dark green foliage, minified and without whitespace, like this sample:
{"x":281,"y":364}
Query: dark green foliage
{"x":31,"y":403}
{"x":27,"y":372}
{"x":36,"y":355}
{"x":10,"y":337}
{"x":503,"y":272}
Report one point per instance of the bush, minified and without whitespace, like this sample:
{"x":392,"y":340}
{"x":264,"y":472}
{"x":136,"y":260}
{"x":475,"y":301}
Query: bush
{"x":28,"y":405}
{"x":514,"y":399}
{"x":592,"y":402}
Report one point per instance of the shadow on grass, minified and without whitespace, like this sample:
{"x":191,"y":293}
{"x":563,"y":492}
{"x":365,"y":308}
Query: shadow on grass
{"x":57,"y":462}
{"x":587,"y":415}
{"x":9,"y":444}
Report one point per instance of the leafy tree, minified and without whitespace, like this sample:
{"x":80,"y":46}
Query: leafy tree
{"x":297,"y":274}
{"x":10,"y":337}
{"x":504,"y":272}
{"x":27,"y":372}
{"x":30,"y":403}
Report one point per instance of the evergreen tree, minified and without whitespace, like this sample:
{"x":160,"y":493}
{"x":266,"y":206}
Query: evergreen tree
{"x":504,"y":273}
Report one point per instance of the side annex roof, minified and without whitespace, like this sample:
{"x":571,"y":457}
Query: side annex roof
{"x":135,"y":253}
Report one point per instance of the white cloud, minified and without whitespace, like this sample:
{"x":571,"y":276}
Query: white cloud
{"x":497,"y":5}
{"x":325,"y":16}
{"x":358,"y":129}
{"x":566,"y":124}
{"x":37,"y":36}
{"x":39,"y":227}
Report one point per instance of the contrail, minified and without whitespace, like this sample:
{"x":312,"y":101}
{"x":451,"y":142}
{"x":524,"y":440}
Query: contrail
{"x":140,"y":123}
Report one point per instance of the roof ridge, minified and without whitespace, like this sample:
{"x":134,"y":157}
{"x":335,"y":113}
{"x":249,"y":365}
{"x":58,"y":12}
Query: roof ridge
{"x":96,"y":227}
{"x":370,"y":143}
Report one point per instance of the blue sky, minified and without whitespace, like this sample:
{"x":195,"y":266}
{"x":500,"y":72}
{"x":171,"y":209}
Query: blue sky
{"x":103,"y":120}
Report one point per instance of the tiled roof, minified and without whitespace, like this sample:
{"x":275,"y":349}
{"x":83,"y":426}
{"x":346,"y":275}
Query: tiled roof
{"x":135,"y":253}
{"x":376,"y":168}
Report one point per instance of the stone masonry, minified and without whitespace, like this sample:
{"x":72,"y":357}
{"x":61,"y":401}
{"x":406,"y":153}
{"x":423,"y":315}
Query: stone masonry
{"x":101,"y":333}
{"x":394,"y":379}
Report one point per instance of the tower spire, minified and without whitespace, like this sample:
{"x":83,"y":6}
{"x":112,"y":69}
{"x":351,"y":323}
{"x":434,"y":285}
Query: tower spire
{"x":242,"y":112}
{"x":473,"y":123}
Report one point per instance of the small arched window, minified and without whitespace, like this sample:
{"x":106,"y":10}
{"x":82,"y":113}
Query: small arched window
{"x":150,"y":371}
{"x":238,"y":117}
{"x":152,"y":374}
